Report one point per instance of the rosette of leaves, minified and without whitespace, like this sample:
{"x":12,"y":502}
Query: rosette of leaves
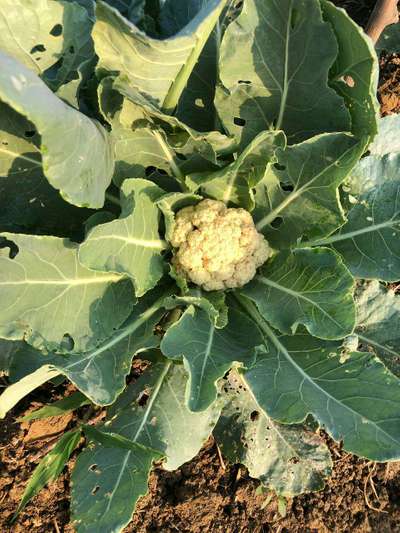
{"x":270,"y":107}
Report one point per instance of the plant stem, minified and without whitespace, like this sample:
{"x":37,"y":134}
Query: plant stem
{"x":113,"y":199}
{"x":384,"y":13}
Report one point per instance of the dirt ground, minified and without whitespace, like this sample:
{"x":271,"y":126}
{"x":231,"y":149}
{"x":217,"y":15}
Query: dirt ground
{"x":208,"y":494}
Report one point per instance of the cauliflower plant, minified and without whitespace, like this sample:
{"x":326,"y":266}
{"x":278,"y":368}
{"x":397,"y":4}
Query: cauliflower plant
{"x":216,"y":247}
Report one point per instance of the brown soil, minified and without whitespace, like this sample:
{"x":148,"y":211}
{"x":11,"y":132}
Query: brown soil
{"x":206,"y":495}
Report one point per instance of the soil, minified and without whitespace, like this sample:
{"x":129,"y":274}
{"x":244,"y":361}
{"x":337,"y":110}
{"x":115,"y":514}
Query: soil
{"x":207,"y":494}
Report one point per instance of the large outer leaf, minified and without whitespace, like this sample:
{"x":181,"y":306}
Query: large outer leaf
{"x":369,"y":241}
{"x":27,"y":200}
{"x":233,"y":184}
{"x":76,"y":151}
{"x":153,"y":414}
{"x":158,"y":69}
{"x":275,"y":60}
{"x":356,"y":400}
{"x":289,"y":459}
{"x":100,"y":373}
{"x":388,"y":139}
{"x":208,"y":353}
{"x":45,"y":294}
{"x":378,"y":323}
{"x":299,"y":195}
{"x":130,"y":245}
{"x":310,"y":287}
{"x":355,"y":73}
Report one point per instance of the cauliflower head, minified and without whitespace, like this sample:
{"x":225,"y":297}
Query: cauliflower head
{"x":216,"y":247}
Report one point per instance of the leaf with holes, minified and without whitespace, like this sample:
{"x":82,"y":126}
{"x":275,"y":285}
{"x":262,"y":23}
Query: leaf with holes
{"x":208,"y":353}
{"x":305,"y":179}
{"x":145,"y":138}
{"x":159,"y":69}
{"x":234,"y":184}
{"x":290,"y":460}
{"x":46,"y":295}
{"x":356,"y":63}
{"x":356,"y":399}
{"x":369,"y":240}
{"x":152,"y":415}
{"x":27,"y":200}
{"x":378,"y":319}
{"x":90,"y":159}
{"x":274,"y":67}
{"x":100,"y":373}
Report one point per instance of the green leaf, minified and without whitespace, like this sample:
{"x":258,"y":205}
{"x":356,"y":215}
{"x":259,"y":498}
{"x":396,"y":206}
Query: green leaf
{"x":59,"y":33}
{"x":130,"y":245}
{"x":158,"y":69}
{"x":310,"y":287}
{"x":213,"y":303}
{"x":356,"y":400}
{"x":389,"y":41}
{"x":290,"y":460}
{"x":369,"y":240}
{"x":83,"y":176}
{"x":378,"y":319}
{"x":27,"y":200}
{"x":50,"y":467}
{"x":47,"y":295}
{"x":150,"y":414}
{"x":356,"y":70}
{"x":58,"y":408}
{"x":15,"y":392}
{"x":114,"y":440}
{"x":106,"y":484}
{"x":233,"y":184}
{"x":6,"y":355}
{"x":133,"y":10}
{"x":171,"y":203}
{"x":100,"y":373}
{"x":274,"y":66}
{"x":208,"y":353}
{"x":299,"y":194}
{"x":145,"y":137}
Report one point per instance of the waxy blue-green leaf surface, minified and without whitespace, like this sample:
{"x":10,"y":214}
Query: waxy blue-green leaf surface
{"x":46,"y":294}
{"x":310,"y":286}
{"x":356,"y":399}
{"x":274,"y":67}
{"x":208,"y":353}
{"x":76,"y":150}
{"x":130,"y":245}
{"x":290,"y":460}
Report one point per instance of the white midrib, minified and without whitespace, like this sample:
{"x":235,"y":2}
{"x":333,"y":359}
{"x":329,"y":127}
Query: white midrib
{"x":124,"y":333}
{"x":16,"y":155}
{"x":351,"y":234}
{"x":270,"y":217}
{"x":281,"y":348}
{"x":66,"y":281}
{"x":156,"y":244}
{"x":377,"y":344}
{"x":286,"y":72}
{"x":146,"y":415}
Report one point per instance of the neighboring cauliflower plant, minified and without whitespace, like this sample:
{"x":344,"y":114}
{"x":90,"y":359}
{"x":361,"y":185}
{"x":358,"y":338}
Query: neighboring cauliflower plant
{"x":217,"y":248}
{"x":211,"y":212}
